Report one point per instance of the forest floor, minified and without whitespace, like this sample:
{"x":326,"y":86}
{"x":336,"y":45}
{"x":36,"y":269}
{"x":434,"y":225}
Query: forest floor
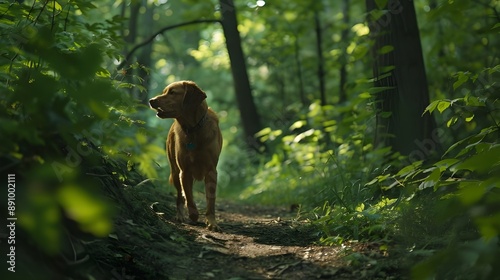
{"x":260,"y":242}
{"x":255,"y":242}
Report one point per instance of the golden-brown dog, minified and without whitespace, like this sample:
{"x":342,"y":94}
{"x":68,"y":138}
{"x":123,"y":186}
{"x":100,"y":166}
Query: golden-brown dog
{"x":194,"y":144}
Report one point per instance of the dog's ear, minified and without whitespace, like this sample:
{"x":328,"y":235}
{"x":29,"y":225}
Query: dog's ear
{"x":193,"y":96}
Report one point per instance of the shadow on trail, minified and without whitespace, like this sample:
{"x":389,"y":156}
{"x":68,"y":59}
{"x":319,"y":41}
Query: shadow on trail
{"x":256,"y":242}
{"x":280,"y":233}
{"x":267,"y":225}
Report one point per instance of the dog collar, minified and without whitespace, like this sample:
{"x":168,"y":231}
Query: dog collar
{"x":191,"y":145}
{"x":200,"y":123}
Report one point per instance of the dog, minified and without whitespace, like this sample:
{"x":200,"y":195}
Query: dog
{"x":194,"y":144}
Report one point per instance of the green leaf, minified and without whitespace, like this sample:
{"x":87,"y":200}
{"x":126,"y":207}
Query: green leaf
{"x":452,"y":121}
{"x":373,"y":181}
{"x":296,"y":125}
{"x":482,"y":162}
{"x":360,"y":207}
{"x":303,"y":135}
{"x":462,"y":78}
{"x":85,"y":6}
{"x":41,"y":217}
{"x":408,"y":170}
{"x":473,"y":101}
{"x":360,"y":51}
{"x":55,"y":5}
{"x":386,"y":69}
{"x":494,"y":69}
{"x":103,"y":73}
{"x":470,"y":141}
{"x":385,"y":49}
{"x":86,"y":209}
{"x":126,"y":85}
{"x":489,"y":227}
{"x":431,"y":180}
{"x":263,"y":132}
{"x":434,"y":176}
{"x":446,"y":163}
{"x":376,"y":14}
{"x":365,"y":95}
{"x":470,"y":192}
{"x":443,"y":105}
{"x":470,"y":118}
{"x":431,"y":107}
{"x":379,"y":178}
{"x":98,"y":108}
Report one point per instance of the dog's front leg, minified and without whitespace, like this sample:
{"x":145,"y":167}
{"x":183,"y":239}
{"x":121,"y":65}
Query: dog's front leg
{"x":181,"y":202}
{"x":187,"y":187}
{"x":210,"y":192}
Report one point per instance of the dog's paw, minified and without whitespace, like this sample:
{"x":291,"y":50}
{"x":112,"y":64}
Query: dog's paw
{"x":194,"y":217}
{"x":181,"y":219}
{"x":212,"y":224}
{"x":214,"y":227}
{"x":193,"y":214}
{"x":181,"y":215}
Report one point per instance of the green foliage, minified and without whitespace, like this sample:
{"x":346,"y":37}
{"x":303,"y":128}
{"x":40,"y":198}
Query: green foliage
{"x":463,"y":186}
{"x":313,"y":157}
{"x":328,"y":155}
{"x":366,"y":221}
{"x":475,"y":259}
{"x":63,"y":116}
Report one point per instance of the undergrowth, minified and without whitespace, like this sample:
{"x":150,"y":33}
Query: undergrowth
{"x":443,"y":213}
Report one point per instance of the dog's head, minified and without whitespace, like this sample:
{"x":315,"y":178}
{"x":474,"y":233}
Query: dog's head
{"x":177,"y":99}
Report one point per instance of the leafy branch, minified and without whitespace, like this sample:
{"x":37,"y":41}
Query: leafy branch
{"x":161,"y":31}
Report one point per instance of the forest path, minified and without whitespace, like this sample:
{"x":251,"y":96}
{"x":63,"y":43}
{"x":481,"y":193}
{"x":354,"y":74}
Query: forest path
{"x":259,"y":242}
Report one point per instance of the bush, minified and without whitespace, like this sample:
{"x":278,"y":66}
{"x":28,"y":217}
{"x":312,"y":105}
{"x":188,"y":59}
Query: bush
{"x":63,"y":115}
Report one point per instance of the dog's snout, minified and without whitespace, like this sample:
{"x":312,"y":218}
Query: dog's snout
{"x":153,"y":102}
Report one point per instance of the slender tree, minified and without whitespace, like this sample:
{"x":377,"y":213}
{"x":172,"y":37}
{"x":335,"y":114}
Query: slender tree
{"x":319,"y":50}
{"x":300,"y":75}
{"x":144,"y":58}
{"x":398,"y":69}
{"x":343,"y":60}
{"x":249,"y":115}
{"x":131,"y":33}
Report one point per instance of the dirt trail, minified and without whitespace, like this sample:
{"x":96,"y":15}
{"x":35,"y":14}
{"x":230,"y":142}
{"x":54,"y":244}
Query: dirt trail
{"x":261,"y":243}
{"x":256,"y":242}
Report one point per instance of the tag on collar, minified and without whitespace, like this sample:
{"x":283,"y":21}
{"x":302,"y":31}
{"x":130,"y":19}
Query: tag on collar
{"x":190,"y":146}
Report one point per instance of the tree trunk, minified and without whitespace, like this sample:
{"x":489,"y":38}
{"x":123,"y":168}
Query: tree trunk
{"x":132,"y":22}
{"x":130,"y":39}
{"x":319,"y":50}
{"x":343,"y":39}
{"x":399,"y":66}
{"x":144,"y":58}
{"x":300,"y":78}
{"x":248,"y":111}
